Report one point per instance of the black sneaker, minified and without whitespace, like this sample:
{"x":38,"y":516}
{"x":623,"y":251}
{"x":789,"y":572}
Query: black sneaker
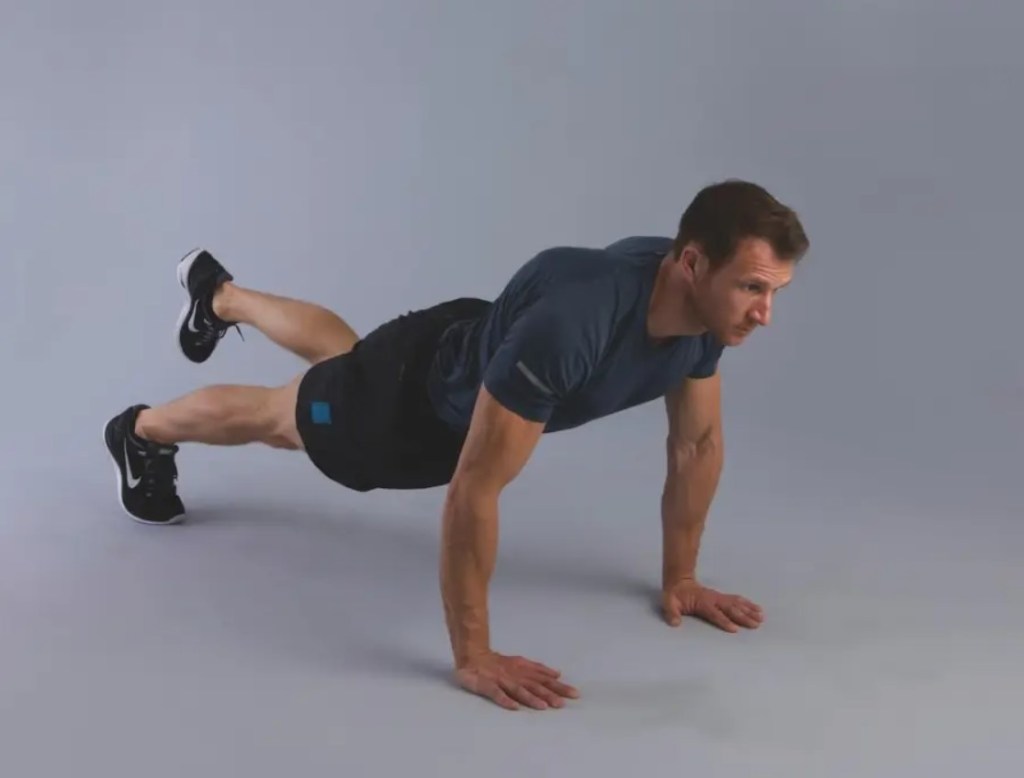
{"x":146,"y":473}
{"x":199,"y":328}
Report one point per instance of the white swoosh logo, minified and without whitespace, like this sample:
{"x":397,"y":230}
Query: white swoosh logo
{"x":193,"y":320}
{"x":132,"y":480}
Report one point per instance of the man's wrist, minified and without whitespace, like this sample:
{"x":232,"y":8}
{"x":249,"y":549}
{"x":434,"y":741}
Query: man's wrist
{"x":671,"y":580}
{"x":467,"y":655}
{"x":681,"y":545}
{"x":468,"y":628}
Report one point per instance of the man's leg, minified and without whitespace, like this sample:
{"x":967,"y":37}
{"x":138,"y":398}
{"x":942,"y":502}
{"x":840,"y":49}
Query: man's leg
{"x":215,"y":303}
{"x":308,"y":330}
{"x":143,"y":440}
{"x":225,"y":415}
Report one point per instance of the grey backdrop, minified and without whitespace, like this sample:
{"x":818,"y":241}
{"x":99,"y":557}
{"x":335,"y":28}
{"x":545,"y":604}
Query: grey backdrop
{"x":382,"y":156}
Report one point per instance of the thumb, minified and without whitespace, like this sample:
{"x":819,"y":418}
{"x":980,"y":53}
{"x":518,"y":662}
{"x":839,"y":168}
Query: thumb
{"x":673,"y":610}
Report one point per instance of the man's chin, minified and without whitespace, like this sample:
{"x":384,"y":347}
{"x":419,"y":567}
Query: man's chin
{"x":735,"y":337}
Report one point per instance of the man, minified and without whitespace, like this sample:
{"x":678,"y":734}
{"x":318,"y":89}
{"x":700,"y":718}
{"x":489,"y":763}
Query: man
{"x":459,"y":394}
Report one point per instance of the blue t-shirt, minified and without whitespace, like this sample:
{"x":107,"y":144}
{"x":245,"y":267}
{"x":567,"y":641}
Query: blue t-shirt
{"x":566,"y":341}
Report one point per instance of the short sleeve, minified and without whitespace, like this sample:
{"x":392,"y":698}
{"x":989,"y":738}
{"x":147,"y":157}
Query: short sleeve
{"x":707,"y":365}
{"x":547,"y":354}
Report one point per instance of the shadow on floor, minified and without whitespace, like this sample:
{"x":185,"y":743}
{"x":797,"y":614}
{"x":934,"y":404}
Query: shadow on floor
{"x":352,"y":590}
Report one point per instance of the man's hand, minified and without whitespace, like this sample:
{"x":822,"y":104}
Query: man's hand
{"x":513,"y":680}
{"x":726,"y":611}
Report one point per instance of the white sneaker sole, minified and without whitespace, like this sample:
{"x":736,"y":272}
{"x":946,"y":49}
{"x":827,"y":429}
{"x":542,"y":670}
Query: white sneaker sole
{"x":184,"y":266}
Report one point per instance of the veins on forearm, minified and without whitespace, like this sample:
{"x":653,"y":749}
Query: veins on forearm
{"x":689,"y":488}
{"x":468,"y":554}
{"x":691,"y":479}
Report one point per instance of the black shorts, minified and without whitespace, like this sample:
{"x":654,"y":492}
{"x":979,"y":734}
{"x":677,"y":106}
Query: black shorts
{"x":365,"y":417}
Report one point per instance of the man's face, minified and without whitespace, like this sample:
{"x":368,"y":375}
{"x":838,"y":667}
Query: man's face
{"x":737,"y":298}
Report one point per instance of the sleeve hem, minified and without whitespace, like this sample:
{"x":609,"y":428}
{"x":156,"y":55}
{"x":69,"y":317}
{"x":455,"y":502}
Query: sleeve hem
{"x":534,"y":412}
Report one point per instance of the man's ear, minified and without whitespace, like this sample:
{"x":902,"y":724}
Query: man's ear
{"x":693,"y":262}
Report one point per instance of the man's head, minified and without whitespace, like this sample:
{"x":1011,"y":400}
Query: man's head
{"x":736,"y":247}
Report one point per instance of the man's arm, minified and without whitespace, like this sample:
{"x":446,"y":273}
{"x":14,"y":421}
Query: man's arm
{"x":695,"y":455}
{"x":498,"y":445}
{"x":695,"y":458}
{"x":545,"y":355}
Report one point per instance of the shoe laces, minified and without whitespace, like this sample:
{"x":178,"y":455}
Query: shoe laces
{"x":216,"y":328}
{"x":216,"y":332}
{"x":159,"y":471}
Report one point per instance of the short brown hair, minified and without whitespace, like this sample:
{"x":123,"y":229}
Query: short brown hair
{"x":723,"y":214}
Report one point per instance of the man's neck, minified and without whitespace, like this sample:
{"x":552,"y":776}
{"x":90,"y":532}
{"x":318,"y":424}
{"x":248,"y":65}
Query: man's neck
{"x":667,"y":317}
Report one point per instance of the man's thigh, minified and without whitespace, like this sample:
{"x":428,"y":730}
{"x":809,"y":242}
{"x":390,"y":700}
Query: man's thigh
{"x":285,"y":431}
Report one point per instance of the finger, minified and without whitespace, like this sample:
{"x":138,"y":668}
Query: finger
{"x":547,"y":682}
{"x":673,"y":611}
{"x":499,"y":696}
{"x":751,"y":609}
{"x":550,"y":696}
{"x":520,"y":691}
{"x":742,"y":617}
{"x":749,"y":605}
{"x":716,"y":616}
{"x":472,"y":682}
{"x":547,"y":672}
{"x":562,"y":689}
{"x":756,"y":615}
{"x":745,"y":605}
{"x":493,"y":691}
{"x":541,"y":677}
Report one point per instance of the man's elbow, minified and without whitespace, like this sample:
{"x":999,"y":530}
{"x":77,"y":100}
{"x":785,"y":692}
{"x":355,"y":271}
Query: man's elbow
{"x":690,"y":451}
{"x":471,"y":492}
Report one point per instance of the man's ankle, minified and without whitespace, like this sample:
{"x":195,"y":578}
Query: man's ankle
{"x":139,"y":428}
{"x":223,"y":302}
{"x":144,"y":428}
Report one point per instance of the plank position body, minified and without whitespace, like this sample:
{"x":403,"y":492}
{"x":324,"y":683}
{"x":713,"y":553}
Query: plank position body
{"x":460,"y":394}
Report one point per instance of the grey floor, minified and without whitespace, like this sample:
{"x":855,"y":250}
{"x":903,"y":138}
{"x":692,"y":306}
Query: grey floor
{"x":295,"y":628}
{"x":379,"y":157}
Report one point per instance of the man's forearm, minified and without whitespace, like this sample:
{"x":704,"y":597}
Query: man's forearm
{"x":468,"y":550}
{"x":690,"y":485}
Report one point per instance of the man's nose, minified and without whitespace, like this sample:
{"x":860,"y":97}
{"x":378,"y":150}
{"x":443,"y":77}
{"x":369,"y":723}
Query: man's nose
{"x":763,"y":313}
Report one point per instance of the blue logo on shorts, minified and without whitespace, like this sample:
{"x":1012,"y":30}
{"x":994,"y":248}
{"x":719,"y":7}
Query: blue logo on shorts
{"x":321,"y":412}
